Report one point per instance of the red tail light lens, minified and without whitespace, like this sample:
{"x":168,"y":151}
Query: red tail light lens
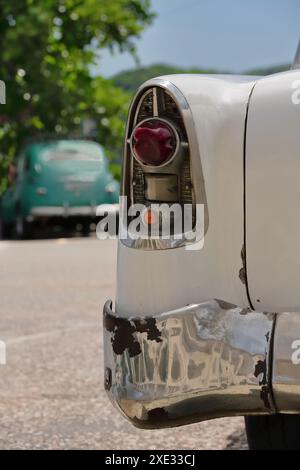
{"x":153,"y":142}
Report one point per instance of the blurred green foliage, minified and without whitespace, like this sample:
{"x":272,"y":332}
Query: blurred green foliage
{"x":269,"y":70}
{"x":47,"y":50}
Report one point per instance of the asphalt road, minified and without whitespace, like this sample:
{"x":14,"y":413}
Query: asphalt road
{"x":51,"y":388}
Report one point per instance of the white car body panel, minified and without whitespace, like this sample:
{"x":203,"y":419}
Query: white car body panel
{"x":273,"y":193}
{"x":150,"y":282}
{"x":211,"y":332}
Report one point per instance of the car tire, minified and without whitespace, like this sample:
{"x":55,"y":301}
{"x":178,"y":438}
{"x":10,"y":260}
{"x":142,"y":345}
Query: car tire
{"x":85,"y":231}
{"x":5,"y":230}
{"x":22,"y":228}
{"x":273,"y":432}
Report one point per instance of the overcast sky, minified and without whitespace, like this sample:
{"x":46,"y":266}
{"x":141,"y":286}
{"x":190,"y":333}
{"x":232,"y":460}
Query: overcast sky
{"x":226,"y":34}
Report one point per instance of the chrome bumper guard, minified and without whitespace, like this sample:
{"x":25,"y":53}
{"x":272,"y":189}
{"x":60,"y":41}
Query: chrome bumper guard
{"x":203,"y":361}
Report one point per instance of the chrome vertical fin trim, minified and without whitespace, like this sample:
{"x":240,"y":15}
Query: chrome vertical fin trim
{"x":286,"y":363}
{"x":296,"y":62}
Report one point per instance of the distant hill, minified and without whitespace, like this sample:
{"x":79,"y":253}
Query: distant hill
{"x":130,"y":80}
{"x":269,"y":70}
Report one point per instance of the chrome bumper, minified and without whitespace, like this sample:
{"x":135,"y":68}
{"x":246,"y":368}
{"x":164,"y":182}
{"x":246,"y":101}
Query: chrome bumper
{"x":200,"y":362}
{"x":73,"y":211}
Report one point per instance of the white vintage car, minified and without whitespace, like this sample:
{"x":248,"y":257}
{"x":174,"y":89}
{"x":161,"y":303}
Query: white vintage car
{"x":205,"y":324}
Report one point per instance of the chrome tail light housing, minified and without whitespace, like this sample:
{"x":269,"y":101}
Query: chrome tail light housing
{"x":161,"y":159}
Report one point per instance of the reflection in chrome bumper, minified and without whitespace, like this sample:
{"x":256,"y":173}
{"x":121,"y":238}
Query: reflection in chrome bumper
{"x":199,"y":362}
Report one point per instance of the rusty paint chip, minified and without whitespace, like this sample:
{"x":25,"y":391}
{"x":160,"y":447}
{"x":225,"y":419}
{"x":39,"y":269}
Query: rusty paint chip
{"x":245,"y":311}
{"x":261,"y":369}
{"x":242,"y":271}
{"x":225,"y":305}
{"x":124,"y":333}
{"x":264,"y":395}
{"x":157,"y":415}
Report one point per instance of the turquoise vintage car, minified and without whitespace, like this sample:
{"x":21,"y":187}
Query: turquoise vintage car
{"x":57,"y":181}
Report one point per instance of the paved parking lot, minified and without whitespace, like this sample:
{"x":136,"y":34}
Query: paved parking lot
{"x":51,"y":389}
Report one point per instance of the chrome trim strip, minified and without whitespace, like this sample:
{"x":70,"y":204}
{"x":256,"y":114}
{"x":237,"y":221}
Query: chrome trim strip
{"x":59,"y":211}
{"x":139,"y":103}
{"x":155,"y":102}
{"x":199,"y":362}
{"x":296,"y":62}
{"x":56,"y":211}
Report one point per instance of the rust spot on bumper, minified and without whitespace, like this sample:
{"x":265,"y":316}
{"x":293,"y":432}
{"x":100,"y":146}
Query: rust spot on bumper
{"x":124,"y":330}
{"x":228,"y":306}
{"x":157,"y":415}
{"x":225,"y":305}
{"x":242,"y":271}
{"x":261,"y":369}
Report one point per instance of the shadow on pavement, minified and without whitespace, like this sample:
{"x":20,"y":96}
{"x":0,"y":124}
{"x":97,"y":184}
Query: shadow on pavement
{"x":237,"y":441}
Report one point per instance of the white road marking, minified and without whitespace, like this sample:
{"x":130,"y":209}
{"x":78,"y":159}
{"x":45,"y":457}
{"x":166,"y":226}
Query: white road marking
{"x":45,"y":334}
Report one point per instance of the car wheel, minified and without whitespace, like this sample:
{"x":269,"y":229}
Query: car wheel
{"x":273,"y":432}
